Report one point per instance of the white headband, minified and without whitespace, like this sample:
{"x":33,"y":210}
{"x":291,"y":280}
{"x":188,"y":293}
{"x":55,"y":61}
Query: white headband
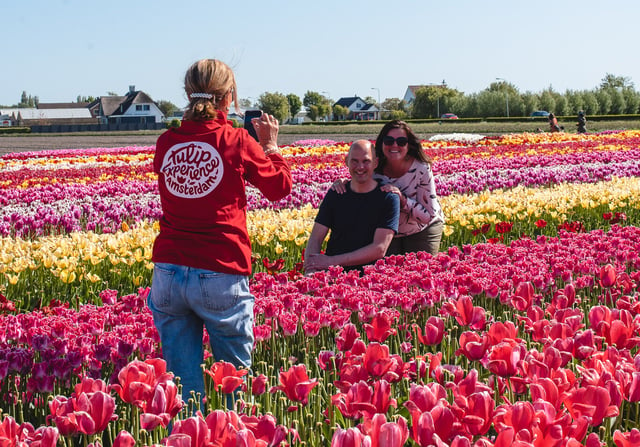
{"x":201,"y":95}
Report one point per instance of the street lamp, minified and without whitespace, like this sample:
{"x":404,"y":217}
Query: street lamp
{"x":506,"y":91}
{"x":379,"y":105}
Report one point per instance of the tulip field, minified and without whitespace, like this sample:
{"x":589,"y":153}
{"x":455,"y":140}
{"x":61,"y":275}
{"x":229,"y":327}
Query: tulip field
{"x":523,"y":331}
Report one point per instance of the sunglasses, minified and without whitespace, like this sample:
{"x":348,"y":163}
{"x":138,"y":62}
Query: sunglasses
{"x":400,"y":141}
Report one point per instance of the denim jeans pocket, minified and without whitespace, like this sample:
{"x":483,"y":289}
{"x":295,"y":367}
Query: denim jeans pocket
{"x":220,"y":291}
{"x":161,"y":286}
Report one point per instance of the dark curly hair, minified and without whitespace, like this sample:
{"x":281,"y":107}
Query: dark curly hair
{"x":415,"y":148}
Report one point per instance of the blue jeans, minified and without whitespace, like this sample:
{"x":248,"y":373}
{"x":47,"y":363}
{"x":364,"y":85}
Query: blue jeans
{"x":183,"y":300}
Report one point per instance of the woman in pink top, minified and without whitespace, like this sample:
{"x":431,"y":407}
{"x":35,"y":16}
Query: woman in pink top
{"x":405,"y":169}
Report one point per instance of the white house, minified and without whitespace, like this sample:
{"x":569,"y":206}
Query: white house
{"x":134,"y":107}
{"x":358,"y":108}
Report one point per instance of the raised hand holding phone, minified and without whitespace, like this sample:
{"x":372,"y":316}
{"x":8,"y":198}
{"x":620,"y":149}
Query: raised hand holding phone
{"x":249,"y":115}
{"x":267,"y":131}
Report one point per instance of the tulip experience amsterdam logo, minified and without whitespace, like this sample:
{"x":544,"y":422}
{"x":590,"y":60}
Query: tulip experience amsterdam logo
{"x":192,"y":170}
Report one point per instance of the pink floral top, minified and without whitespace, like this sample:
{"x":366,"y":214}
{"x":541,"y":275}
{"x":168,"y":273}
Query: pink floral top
{"x":422,"y":208}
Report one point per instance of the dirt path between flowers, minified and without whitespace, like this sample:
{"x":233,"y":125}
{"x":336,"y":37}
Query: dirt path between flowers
{"x":24,"y":143}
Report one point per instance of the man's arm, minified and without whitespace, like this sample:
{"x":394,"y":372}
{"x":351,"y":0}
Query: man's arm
{"x":365,"y":255}
{"x":314,"y":245}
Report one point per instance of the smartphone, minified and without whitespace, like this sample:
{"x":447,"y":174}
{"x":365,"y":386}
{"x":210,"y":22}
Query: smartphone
{"x":248,"y":116}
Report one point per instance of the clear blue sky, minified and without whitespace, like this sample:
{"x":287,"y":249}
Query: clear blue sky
{"x":59,"y":49}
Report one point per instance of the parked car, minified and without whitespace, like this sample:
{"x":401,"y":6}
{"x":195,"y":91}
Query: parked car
{"x":449,"y":116}
{"x":539,"y":113}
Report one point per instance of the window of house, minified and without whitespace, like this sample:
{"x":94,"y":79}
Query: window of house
{"x":145,"y":107}
{"x":138,"y":108}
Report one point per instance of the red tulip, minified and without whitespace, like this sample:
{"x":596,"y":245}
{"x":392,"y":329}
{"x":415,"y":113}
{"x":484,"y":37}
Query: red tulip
{"x":356,"y":402}
{"x":386,"y":434}
{"x":499,"y":331}
{"x":346,"y":337}
{"x":295,"y":383}
{"x":524,"y":296}
{"x":545,"y":389}
{"x":178,"y":440}
{"x":137,"y":380}
{"x":628,"y":439}
{"x":519,"y":416}
{"x":259,"y":385}
{"x":433,"y":331}
{"x":607,"y":276}
{"x":478,"y":413}
{"x":503,"y":227}
{"x":226,"y":377}
{"x":124,"y":439}
{"x":377,"y":360}
{"x":590,"y":401}
{"x":540,"y":223}
{"x":273,"y":267}
{"x":88,"y":414}
{"x":350,"y":437}
{"x":473,"y":345}
{"x":196,"y":429}
{"x":166,"y":403}
{"x":505,"y":358}
{"x":380,"y":328}
{"x":468,"y":315}
{"x":381,"y":398}
{"x":265,"y":428}
{"x":425,"y":397}
{"x":633,"y":394}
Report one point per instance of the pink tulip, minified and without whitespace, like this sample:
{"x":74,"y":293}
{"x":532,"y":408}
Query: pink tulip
{"x":607,"y":276}
{"x":350,"y":437}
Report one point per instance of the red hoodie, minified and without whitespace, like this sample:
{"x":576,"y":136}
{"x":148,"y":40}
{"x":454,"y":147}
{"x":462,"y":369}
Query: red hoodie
{"x":202,"y":168}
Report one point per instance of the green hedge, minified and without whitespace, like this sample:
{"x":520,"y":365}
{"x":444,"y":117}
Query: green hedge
{"x":4,"y":130}
{"x":490,"y":119}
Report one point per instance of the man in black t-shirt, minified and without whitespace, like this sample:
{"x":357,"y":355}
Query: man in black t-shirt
{"x":362,"y":221}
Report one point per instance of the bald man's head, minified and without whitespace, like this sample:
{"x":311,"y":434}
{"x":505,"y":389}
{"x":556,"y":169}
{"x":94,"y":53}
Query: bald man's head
{"x":361,"y":161}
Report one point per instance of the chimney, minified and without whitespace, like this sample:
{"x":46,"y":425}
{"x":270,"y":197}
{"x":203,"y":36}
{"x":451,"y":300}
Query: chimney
{"x":132,"y":89}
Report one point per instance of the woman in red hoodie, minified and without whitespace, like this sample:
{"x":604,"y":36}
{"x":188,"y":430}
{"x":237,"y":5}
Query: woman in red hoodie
{"x":202,"y":255}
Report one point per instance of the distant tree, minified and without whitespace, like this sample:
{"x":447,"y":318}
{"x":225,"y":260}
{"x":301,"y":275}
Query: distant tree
{"x":80,"y":98}
{"x":562,"y":105}
{"x":321,"y":105}
{"x":275,"y":104}
{"x":393,"y":104}
{"x":371,"y":100}
{"x":531,"y":103}
{"x":575,"y":101}
{"x":392,"y":108}
{"x":245,"y":103}
{"x":167,"y":107}
{"x":395,"y":115}
{"x":431,"y":101}
{"x":295,"y":104}
{"x":591,"y":106}
{"x":28,"y":100}
{"x":340,"y":112}
{"x":312,"y":112}
{"x":548,"y":100}
{"x":604,"y":101}
{"x":632,"y":99}
{"x":618,"y":103}
{"x":612,"y":81}
{"x":492,"y":103}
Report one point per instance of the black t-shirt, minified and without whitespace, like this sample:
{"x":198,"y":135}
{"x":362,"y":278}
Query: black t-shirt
{"x":354,"y":217}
